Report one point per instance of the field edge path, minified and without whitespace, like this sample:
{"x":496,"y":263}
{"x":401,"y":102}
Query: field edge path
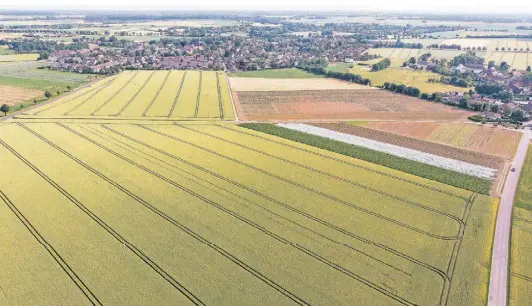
{"x":498,"y":286}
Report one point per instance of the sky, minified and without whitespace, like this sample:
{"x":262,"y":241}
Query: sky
{"x":463,"y":6}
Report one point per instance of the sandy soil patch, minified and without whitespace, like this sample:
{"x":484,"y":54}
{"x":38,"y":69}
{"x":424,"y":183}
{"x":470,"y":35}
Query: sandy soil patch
{"x":13,"y":95}
{"x":267,"y":84}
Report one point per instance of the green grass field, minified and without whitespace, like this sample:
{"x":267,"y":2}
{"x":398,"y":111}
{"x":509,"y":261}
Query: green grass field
{"x":284,"y":73}
{"x":203,"y":213}
{"x":175,"y":94}
{"x":521,"y":238}
{"x":339,"y":67}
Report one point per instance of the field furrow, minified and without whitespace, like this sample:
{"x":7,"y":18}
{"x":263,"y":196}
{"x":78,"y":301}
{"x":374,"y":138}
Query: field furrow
{"x":186,"y":102}
{"x":165,"y":99}
{"x":114,"y":105}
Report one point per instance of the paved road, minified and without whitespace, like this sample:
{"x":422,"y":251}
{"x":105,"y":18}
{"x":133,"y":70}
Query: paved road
{"x":499,"y":262}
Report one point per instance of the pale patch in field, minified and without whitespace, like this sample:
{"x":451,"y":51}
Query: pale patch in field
{"x":11,"y":95}
{"x":415,"y":155}
{"x":267,"y":84}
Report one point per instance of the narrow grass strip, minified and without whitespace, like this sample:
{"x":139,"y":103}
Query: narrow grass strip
{"x":448,"y":177}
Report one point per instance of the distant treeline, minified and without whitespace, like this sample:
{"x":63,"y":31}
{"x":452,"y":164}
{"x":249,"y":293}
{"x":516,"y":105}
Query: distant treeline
{"x":345,"y":76}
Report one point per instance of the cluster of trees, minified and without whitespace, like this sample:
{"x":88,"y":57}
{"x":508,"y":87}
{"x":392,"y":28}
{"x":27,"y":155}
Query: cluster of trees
{"x":410,"y":91}
{"x":350,"y":77}
{"x":383,"y":64}
{"x":456,"y":81}
{"x":397,"y":44}
{"x":443,"y":46}
{"x":495,"y":90}
{"x":36,"y":45}
{"x":467,"y":58}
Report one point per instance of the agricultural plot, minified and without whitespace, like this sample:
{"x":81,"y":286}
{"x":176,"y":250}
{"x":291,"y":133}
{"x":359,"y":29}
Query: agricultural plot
{"x":480,"y":138}
{"x":282,"y":84}
{"x":405,"y":153}
{"x":521,"y":238}
{"x":11,"y":95}
{"x":338,"y":104}
{"x":358,"y":129}
{"x":18,"y":57}
{"x":230,"y":216}
{"x":149,"y":94}
{"x":405,"y":76}
{"x":519,"y":59}
{"x":28,"y":70}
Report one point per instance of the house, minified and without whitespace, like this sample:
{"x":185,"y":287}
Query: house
{"x":475,"y":68}
{"x":490,"y":115}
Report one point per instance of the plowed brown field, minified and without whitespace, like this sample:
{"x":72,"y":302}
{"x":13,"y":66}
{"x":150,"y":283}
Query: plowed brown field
{"x":479,"y":138}
{"x":417,"y":144}
{"x":339,"y":104}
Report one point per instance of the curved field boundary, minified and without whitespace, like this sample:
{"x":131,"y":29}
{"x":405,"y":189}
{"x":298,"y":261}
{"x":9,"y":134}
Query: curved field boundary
{"x":344,"y":162}
{"x":380,"y":192}
{"x":170,"y":219}
{"x":150,"y":158}
{"x":50,"y":249}
{"x":100,"y":222}
{"x":220,"y":106}
{"x":135,"y":95}
{"x":177,"y":95}
{"x":251,"y":223}
{"x":115,"y":94}
{"x":157,"y":94}
{"x":448,"y":177}
{"x":301,"y":186}
{"x":199,"y":94}
{"x":90,"y":97}
{"x":388,"y":249}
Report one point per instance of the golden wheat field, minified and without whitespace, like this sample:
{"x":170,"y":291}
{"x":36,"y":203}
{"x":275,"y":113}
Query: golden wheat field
{"x":112,"y":212}
{"x":173,"y":94}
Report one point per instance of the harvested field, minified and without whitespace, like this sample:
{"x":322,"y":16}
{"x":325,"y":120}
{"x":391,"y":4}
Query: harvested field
{"x":339,"y":104}
{"x":263,"y":84}
{"x":406,"y":153}
{"x":174,"y":94}
{"x":218,"y":214}
{"x":11,"y":95}
{"x":417,"y":144}
{"x":479,"y":138}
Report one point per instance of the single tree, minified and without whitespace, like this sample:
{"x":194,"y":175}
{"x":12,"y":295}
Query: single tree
{"x":4,"y":108}
{"x":69,"y":88}
{"x":528,"y":69}
{"x":491,"y":64}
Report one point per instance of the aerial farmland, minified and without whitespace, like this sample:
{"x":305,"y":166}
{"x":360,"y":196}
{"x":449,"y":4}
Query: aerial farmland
{"x":230,"y":158}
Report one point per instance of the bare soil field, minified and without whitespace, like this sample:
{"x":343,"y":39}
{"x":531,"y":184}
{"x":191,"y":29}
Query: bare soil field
{"x":479,"y":138}
{"x":417,"y":144}
{"x":11,"y":95}
{"x":339,"y":104}
{"x":271,"y":84}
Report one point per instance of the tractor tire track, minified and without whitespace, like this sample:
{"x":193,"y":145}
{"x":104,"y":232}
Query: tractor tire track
{"x":157,"y":94}
{"x":102,"y":224}
{"x":177,"y":95}
{"x":115,"y":94}
{"x":135,"y":95}
{"x":237,"y":216}
{"x":50,"y":249}
{"x":380,"y":192}
{"x":161,"y":214}
{"x":215,"y":189}
{"x":90,"y":97}
{"x":333,"y":198}
{"x":199,"y":95}
{"x":344,"y":162}
{"x":441,"y":273}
